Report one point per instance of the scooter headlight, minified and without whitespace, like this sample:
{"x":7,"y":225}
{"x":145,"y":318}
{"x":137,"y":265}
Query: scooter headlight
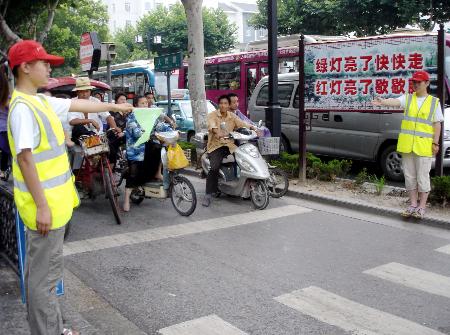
{"x":251,"y":150}
{"x":245,"y":165}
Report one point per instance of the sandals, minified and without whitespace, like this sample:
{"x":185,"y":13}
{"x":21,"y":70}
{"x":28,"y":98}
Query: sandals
{"x":419,"y":213}
{"x":407,"y":213}
{"x":70,"y":332}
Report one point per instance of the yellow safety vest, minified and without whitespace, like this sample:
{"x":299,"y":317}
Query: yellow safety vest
{"x":52,"y":166}
{"x":416,"y":133}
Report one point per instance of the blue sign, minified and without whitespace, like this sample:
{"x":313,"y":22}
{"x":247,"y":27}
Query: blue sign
{"x":21,"y":246}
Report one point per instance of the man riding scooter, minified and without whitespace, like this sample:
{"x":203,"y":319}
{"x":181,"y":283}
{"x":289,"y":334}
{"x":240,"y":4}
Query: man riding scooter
{"x":220,"y":123}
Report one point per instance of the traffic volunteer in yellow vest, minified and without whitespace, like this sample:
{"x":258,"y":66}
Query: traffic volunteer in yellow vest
{"x":44,"y":190}
{"x":418,"y":140}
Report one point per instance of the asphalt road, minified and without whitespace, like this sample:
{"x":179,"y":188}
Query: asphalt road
{"x":295,"y":268}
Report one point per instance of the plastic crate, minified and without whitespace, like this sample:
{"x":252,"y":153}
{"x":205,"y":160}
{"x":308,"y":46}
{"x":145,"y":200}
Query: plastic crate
{"x":269,"y":145}
{"x":94,"y":145}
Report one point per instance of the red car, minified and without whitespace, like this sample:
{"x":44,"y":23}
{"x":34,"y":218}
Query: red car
{"x":65,"y":85}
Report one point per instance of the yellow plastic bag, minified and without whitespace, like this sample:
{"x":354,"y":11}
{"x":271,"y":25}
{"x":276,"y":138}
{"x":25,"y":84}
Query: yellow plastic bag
{"x":176,"y":158}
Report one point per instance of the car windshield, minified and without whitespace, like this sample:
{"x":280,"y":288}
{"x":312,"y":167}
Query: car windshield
{"x":187,"y":108}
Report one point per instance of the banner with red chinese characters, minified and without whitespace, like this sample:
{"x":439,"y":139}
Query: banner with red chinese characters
{"x":347,"y":75}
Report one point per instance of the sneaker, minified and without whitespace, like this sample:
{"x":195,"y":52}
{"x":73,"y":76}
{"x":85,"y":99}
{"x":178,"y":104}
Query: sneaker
{"x":407,"y":213}
{"x":206,"y":200}
{"x":419,"y":213}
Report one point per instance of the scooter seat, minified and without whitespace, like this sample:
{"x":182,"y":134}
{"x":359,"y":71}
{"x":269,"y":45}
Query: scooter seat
{"x":228,"y":159}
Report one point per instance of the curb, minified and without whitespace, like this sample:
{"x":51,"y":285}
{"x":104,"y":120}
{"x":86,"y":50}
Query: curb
{"x":393,"y":213}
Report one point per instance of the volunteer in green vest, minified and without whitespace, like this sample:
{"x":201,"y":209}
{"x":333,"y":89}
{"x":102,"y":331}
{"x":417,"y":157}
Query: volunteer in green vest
{"x":418,"y":140}
{"x":44,"y":190}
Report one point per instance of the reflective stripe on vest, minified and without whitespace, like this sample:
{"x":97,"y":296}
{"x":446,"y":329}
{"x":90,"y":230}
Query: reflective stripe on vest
{"x":47,"y":184}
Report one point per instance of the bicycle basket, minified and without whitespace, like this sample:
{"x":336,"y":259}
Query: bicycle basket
{"x":94,"y":144}
{"x":269,"y":145}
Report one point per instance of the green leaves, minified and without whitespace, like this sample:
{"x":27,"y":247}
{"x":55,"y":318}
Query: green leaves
{"x":171,"y":25}
{"x":364,"y":17}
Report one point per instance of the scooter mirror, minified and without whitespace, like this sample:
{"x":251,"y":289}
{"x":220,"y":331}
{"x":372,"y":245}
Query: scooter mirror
{"x":223,"y":126}
{"x":260,"y":123}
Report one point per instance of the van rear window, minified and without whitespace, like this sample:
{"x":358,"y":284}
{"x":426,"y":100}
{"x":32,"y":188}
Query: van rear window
{"x":284,"y":95}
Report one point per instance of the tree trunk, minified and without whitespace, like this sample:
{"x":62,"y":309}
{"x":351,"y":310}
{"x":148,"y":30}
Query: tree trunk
{"x":196,"y":53}
{"x":51,"y":9}
{"x":6,"y":31}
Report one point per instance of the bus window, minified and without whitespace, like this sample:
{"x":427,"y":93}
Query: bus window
{"x":116,"y":82}
{"x":263,"y":71}
{"x":129,"y":81}
{"x":251,"y":81}
{"x":211,"y":77}
{"x":229,"y":76}
{"x":140,"y":84}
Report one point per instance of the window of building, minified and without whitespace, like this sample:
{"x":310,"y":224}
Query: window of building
{"x":148,"y":6}
{"x":223,"y":76}
{"x":127,"y":6}
{"x":128,"y":23}
{"x":113,"y":8}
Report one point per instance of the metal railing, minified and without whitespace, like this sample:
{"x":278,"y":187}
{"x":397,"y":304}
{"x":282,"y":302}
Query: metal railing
{"x":8,"y":237}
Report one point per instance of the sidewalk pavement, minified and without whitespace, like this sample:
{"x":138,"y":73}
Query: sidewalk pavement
{"x":294,"y":191}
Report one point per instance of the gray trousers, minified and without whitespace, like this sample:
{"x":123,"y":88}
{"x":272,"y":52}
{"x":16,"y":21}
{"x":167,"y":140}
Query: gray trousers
{"x":44,"y":268}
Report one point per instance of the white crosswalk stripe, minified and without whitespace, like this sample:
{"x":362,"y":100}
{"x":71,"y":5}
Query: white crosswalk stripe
{"x":444,"y":249}
{"x":414,"y":278}
{"x":179,"y":230}
{"x":349,"y":315}
{"x":208,"y":325}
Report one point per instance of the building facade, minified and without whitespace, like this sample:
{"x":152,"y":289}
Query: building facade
{"x":124,"y":13}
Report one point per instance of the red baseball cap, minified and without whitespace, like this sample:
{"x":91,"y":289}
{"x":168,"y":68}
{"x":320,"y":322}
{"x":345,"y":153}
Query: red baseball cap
{"x":27,"y":51}
{"x":420,"y":76}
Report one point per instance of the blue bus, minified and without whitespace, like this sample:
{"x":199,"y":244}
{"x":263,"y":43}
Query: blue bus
{"x":134,"y":78}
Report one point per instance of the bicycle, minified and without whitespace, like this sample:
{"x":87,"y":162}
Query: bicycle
{"x":96,"y":172}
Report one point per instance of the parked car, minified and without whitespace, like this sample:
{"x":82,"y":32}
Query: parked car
{"x":182,"y":110}
{"x":354,"y":135}
{"x":65,"y":85}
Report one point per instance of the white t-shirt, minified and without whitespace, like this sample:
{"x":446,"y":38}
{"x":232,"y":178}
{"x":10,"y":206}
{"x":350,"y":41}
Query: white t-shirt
{"x":438,"y":116}
{"x":100,"y":118}
{"x":24,"y":126}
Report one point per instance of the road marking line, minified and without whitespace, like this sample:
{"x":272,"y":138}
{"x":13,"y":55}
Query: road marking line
{"x":348,"y":315}
{"x":414,"y":278}
{"x":208,"y":325}
{"x":445,"y":249}
{"x":118,"y":240}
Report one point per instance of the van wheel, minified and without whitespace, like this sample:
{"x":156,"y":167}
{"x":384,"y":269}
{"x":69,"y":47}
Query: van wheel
{"x":284,"y":145}
{"x":391,"y":163}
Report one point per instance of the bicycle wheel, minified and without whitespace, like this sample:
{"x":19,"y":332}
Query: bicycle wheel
{"x":278,"y":182}
{"x":259,"y":194}
{"x":110,"y":189}
{"x":183,"y":196}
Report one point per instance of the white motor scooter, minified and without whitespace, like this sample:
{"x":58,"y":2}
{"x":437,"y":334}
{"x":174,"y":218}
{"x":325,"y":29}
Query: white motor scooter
{"x":245,"y":173}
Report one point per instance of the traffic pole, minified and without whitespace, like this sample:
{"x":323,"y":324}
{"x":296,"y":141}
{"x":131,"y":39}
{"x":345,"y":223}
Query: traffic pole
{"x":439,"y":166}
{"x":273,"y":110}
{"x":169,"y":96}
{"x":301,"y":111}
{"x":108,"y":79}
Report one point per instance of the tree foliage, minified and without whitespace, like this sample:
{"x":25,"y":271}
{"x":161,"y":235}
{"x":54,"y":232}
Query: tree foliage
{"x":72,"y":18}
{"x":171,"y":25}
{"x":68,"y":26}
{"x":364,"y":17}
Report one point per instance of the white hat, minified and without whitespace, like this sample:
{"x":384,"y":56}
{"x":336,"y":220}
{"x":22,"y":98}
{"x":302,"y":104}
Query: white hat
{"x":82,"y":84}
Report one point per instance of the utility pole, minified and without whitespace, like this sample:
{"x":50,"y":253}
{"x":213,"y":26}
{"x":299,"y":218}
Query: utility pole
{"x":273,"y":110}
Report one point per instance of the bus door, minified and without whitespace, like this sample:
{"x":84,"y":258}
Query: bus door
{"x":254,"y":73}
